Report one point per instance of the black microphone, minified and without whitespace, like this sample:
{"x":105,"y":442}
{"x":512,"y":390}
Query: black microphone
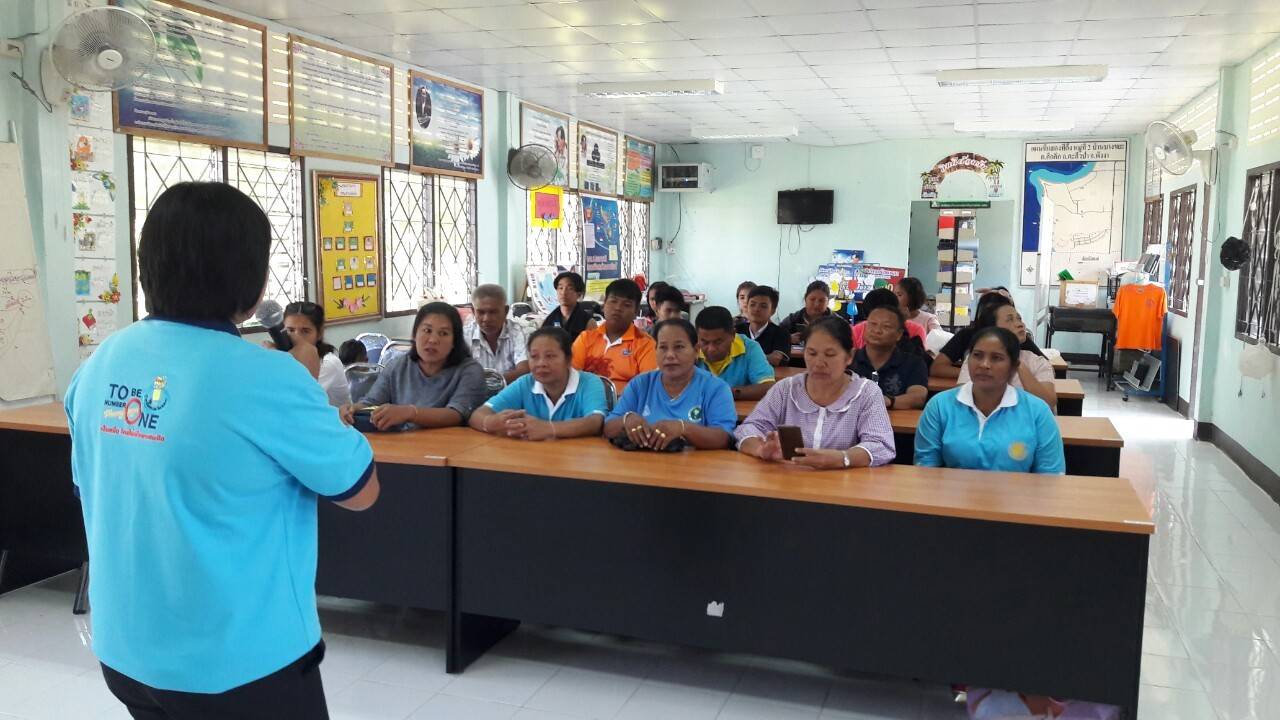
{"x":271,"y":316}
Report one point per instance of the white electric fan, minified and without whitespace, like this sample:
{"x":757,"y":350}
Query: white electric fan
{"x":99,"y":49}
{"x":531,"y":166}
{"x":1171,"y":148}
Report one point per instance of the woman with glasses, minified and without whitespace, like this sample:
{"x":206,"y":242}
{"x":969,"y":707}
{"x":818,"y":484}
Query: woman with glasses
{"x":304,"y":321}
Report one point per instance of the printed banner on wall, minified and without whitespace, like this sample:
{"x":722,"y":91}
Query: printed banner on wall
{"x":208,"y":82}
{"x":638,"y":177}
{"x":339,"y":104}
{"x":348,"y":246}
{"x":602,"y":240}
{"x":597,"y":160}
{"x":447,"y":128}
{"x":545,"y":208}
{"x":1073,"y":207}
{"x":551,"y":130}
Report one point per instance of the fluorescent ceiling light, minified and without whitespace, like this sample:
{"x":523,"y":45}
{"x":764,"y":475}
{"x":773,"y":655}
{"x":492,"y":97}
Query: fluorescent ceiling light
{"x":1021,"y":75}
{"x":1015,"y":125}
{"x":759,"y":134}
{"x":660,"y":88}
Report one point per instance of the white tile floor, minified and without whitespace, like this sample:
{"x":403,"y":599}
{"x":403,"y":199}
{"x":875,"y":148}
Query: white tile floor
{"x":1212,"y":644}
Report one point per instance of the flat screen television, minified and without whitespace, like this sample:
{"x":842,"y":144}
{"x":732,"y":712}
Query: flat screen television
{"x":805,"y":207}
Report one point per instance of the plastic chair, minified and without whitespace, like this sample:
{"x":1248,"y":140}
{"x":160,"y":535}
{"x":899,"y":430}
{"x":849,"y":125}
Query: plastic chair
{"x":610,"y":393}
{"x":393,"y":350}
{"x":373,"y":345}
{"x":360,"y":379}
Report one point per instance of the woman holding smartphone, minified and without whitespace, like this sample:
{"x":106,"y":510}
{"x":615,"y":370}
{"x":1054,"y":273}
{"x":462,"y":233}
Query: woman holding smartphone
{"x":842,"y":420}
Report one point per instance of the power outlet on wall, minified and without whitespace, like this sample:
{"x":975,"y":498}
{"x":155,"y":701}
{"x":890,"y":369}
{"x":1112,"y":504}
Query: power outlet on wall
{"x":757,"y":152}
{"x":11,"y":49}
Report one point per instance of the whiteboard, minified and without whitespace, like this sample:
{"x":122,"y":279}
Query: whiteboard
{"x":24,"y":339}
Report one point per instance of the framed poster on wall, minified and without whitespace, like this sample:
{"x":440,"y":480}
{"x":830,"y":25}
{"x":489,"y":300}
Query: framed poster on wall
{"x":551,"y":130}
{"x":637,"y":183}
{"x":447,"y":127}
{"x":348,"y":246}
{"x":339,"y":104}
{"x":208,"y":83}
{"x":602,"y":242}
{"x":597,"y":160}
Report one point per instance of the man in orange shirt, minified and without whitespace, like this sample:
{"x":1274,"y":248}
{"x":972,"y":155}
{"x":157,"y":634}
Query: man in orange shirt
{"x":617,"y":349}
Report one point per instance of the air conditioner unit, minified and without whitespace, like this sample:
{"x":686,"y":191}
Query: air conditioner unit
{"x":684,"y":177}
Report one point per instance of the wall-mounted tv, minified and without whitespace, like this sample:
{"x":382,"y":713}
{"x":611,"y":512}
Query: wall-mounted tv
{"x":805,"y":207}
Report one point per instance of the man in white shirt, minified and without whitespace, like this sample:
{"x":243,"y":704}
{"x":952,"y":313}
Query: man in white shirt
{"x":495,"y":342}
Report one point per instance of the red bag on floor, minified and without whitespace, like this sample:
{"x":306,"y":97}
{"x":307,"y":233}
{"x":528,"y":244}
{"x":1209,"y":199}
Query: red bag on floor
{"x":984,"y":704}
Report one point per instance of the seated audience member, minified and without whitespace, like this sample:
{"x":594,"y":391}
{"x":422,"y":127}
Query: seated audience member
{"x":670,"y":305}
{"x":617,"y":350}
{"x":816,"y":298}
{"x":553,"y":401}
{"x":744,"y":293}
{"x":951,"y":356}
{"x":1035,"y":374}
{"x":435,"y":384}
{"x":987,"y":423}
{"x":842,"y":419}
{"x":911,"y":298}
{"x":304,"y":322}
{"x":649,"y":310}
{"x":570,"y":315}
{"x":735,"y":359}
{"x":351,"y":352}
{"x":678,"y":401}
{"x":884,"y":297}
{"x":902,"y":376}
{"x":762,"y":303}
{"x":495,"y":342}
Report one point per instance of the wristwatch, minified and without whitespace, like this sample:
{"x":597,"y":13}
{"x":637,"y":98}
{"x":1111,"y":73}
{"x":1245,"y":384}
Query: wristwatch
{"x":845,"y":453}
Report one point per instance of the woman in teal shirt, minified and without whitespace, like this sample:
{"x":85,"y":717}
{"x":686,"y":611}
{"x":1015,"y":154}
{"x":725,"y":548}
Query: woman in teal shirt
{"x":551,"y":401}
{"x":987,"y":424}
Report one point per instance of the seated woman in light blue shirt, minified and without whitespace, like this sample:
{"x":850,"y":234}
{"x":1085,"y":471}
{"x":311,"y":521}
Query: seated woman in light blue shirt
{"x":677,"y":401}
{"x":987,"y":424}
{"x":552,"y":400}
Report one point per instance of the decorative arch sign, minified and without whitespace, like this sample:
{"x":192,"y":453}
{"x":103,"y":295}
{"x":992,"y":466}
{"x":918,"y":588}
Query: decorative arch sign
{"x":931,"y":179}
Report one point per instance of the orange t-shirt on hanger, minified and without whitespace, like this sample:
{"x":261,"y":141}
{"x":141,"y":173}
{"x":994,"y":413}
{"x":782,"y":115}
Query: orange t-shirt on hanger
{"x":1139,"y":311}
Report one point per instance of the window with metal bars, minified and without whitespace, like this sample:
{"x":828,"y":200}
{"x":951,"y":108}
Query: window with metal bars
{"x":272,"y":179}
{"x":560,"y":247}
{"x":1182,"y":220}
{"x":431,"y":242}
{"x":1152,"y":216}
{"x":635,"y":238}
{"x":1258,"y":301}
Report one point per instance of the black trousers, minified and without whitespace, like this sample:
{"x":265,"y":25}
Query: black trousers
{"x":291,"y":693}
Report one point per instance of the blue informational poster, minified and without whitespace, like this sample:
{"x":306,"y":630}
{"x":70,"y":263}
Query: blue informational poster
{"x":601,"y":237}
{"x":447,"y":127}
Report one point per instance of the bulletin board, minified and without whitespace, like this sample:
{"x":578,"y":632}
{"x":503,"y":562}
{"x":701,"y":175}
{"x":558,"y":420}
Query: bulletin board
{"x":348,"y":246}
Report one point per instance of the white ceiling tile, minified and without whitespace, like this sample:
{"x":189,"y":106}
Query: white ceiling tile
{"x":1229,"y":24}
{"x":625,"y":77}
{"x":727,"y":28}
{"x":1124,"y":30}
{"x":929,"y":67}
{"x":337,"y":26}
{"x":1144,"y":8}
{"x":906,"y":19}
{"x":788,"y":7}
{"x":1028,"y":32}
{"x":1228,"y":47}
{"x":1197,"y":71}
{"x":500,"y":56}
{"x":1128,"y":45}
{"x":1019,"y":61}
{"x":699,"y":63}
{"x":1113,"y":59}
{"x":743,"y":46}
{"x":844,"y":57}
{"x":536,"y":37}
{"x":1024,"y":49}
{"x":761,"y":60}
{"x":597,"y":12}
{"x":513,"y":17}
{"x":790,"y":84}
{"x":785,"y":72}
{"x":437,"y":58}
{"x":289,"y":9}
{"x":900,"y":4}
{"x":650,"y":32}
{"x":933,"y":36}
{"x":455,"y":41}
{"x":813,"y":24}
{"x":672,"y":49}
{"x":411,"y":23}
{"x":446,"y":4}
{"x":857,"y":70}
{"x":863,"y":82}
{"x":833,"y":41}
{"x":1214,"y":7}
{"x":1041,"y":11}
{"x":936,"y":52}
{"x":700,"y":10}
{"x":578,"y":52}
{"x":594,"y":67}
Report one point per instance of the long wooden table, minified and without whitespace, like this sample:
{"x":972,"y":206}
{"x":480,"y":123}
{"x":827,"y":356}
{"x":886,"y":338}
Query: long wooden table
{"x":1060,"y":367}
{"x":1070,"y":393}
{"x":718,"y":550}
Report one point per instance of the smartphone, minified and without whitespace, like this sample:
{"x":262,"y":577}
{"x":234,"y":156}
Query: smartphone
{"x":791,"y":439}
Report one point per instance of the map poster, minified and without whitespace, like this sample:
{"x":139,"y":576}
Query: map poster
{"x":597,"y":160}
{"x":602,"y":240}
{"x":638,"y":176}
{"x":551,"y":130}
{"x":1073,"y":208}
{"x":348,"y":246}
{"x":447,"y":128}
{"x":208,"y":81}
{"x":339,"y":104}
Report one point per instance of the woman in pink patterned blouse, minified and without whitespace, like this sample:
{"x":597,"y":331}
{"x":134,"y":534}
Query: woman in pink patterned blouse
{"x":842,"y":418}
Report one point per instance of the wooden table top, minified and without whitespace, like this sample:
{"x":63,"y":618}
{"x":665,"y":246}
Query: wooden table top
{"x":1059,"y":363}
{"x":45,"y":418}
{"x":1067,"y":388}
{"x":1092,"y":503}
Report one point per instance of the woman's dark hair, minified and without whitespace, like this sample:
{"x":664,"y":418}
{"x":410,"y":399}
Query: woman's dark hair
{"x":715,"y":317}
{"x":669,"y":294}
{"x":203,"y":251}
{"x":315,"y":313}
{"x":993,"y":299}
{"x":460,"y":351}
{"x":987,"y":310}
{"x":894,"y":309}
{"x":817,"y":285}
{"x":837,"y":328}
{"x":654,"y":287}
{"x":681,"y":323}
{"x":1010,"y":341}
{"x":745,"y":285}
{"x":579,"y":286}
{"x":625,"y":289}
{"x":764,"y":291}
{"x":560,"y":336}
{"x":352,"y":351}
{"x":914,"y":290}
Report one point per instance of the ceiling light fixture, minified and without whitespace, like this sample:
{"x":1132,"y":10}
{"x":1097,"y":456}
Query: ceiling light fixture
{"x":1015,"y":125}
{"x":778,"y":133}
{"x":1021,"y":75}
{"x":660,"y":88}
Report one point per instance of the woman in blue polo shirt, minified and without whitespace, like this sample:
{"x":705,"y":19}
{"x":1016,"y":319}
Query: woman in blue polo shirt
{"x":987,"y":423}
{"x":552,"y":400}
{"x":678,"y":401}
{"x":199,"y":459}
